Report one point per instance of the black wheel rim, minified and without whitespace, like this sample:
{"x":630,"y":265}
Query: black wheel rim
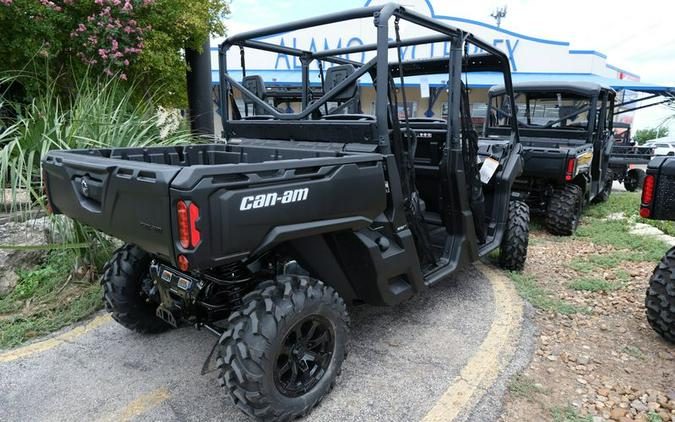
{"x":306,"y":354}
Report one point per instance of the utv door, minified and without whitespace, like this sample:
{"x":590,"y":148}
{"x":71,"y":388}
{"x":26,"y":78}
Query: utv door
{"x":603,"y":142}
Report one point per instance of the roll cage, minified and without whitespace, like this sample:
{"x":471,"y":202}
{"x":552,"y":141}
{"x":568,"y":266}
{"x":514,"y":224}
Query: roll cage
{"x":379,"y":68}
{"x":591,"y":97}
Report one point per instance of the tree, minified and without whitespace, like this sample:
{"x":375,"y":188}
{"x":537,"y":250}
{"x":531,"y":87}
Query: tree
{"x":136,"y":40}
{"x":647,"y":134}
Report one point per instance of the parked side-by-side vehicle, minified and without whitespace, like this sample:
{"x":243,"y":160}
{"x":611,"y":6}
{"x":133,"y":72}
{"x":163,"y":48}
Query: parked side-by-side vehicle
{"x":658,"y":203}
{"x":266,"y":237}
{"x":566,"y":132}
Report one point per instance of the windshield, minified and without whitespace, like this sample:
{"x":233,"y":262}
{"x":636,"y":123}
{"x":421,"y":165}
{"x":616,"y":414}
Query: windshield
{"x":547,"y":110}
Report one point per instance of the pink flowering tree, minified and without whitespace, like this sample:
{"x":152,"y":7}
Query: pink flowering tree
{"x":136,"y":40}
{"x":112,"y":38}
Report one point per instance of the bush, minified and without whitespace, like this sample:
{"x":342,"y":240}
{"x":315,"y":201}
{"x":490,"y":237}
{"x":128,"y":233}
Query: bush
{"x":136,"y":40}
{"x":99,"y":113}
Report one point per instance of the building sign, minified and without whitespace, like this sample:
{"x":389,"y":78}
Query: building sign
{"x":526,"y":54}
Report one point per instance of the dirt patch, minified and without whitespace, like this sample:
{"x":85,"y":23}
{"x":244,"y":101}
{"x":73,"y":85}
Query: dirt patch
{"x":597,"y":358}
{"x":28,"y":233}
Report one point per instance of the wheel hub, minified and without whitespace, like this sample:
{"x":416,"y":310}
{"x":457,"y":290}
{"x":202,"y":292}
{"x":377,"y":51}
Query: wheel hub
{"x":305,"y":356}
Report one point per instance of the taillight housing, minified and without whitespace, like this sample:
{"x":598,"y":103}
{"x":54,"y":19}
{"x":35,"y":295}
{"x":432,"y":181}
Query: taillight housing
{"x":571,"y":167}
{"x":647,"y":196}
{"x":188,"y":234}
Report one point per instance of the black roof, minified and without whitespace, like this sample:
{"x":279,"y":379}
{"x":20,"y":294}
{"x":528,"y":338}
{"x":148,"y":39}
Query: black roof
{"x":577,"y":87}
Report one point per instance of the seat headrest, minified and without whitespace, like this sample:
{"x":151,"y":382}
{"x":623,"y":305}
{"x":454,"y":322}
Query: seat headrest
{"x":256,"y":85}
{"x":337,"y":74}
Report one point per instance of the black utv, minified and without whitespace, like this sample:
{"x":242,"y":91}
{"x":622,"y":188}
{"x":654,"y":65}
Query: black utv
{"x":566,"y":132}
{"x":265,"y":237}
{"x":658,"y":203}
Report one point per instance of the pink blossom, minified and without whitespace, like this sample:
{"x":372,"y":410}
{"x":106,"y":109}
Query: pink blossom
{"x":123,"y":77}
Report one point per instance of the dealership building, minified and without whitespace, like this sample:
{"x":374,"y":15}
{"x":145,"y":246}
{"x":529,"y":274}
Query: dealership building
{"x":532,"y":59}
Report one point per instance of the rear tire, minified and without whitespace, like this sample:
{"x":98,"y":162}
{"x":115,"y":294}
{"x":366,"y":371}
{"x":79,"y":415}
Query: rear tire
{"x":513,"y":250}
{"x":564,"y":210}
{"x":123,"y":295}
{"x":634,"y":179}
{"x":660,"y":297}
{"x":283,"y":348}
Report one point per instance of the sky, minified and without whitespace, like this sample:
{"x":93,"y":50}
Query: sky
{"x":638,"y":36}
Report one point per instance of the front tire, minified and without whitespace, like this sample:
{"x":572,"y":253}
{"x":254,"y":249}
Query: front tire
{"x":564,"y":210}
{"x":513,"y":250}
{"x":283,"y":348}
{"x":660,"y":297}
{"x":123,"y":280}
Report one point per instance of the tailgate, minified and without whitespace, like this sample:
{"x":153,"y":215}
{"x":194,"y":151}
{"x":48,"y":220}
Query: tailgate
{"x":125,"y":199}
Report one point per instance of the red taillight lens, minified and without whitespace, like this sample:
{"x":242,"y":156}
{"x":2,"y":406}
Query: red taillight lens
{"x":183,"y":263}
{"x":195,"y":236}
{"x":569,"y":174}
{"x":647,"y":196}
{"x":183,"y":231}
{"x":188,"y":234}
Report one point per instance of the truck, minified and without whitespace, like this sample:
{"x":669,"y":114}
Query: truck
{"x":658,"y":203}
{"x":567,"y":138}
{"x":266,"y":236}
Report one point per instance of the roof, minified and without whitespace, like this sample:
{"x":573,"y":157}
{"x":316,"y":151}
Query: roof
{"x":578,"y":87}
{"x":475,"y":80}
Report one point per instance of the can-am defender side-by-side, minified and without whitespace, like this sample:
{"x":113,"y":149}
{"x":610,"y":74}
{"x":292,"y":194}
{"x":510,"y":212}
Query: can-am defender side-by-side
{"x":658,"y":203}
{"x":265,"y":239}
{"x":566,"y":132}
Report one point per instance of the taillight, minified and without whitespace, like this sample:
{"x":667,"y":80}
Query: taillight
{"x":569,"y":173}
{"x":647,"y":196}
{"x":188,"y":234}
{"x":195,"y":236}
{"x":183,"y":233}
{"x":183,"y":263}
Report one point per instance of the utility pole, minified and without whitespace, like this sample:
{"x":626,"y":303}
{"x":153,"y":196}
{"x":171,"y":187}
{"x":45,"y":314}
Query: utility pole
{"x":199,"y":89}
{"x":499,"y":14}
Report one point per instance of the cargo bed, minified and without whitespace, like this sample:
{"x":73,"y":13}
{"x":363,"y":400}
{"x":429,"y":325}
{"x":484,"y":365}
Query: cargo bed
{"x":239,"y":187}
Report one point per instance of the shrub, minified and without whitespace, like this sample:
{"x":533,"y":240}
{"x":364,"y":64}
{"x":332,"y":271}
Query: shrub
{"x":138,"y":40}
{"x":99,"y":113}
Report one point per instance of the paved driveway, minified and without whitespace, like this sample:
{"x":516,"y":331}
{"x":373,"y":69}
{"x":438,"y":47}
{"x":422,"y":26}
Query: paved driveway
{"x":404,"y":363}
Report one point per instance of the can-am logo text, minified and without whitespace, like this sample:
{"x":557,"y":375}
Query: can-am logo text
{"x":271,"y":199}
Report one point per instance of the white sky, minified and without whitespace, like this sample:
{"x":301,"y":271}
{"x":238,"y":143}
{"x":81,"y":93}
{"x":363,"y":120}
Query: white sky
{"x":638,"y":36}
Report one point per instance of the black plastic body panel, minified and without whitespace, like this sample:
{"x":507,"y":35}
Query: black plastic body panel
{"x":131,"y":201}
{"x":239,"y":188}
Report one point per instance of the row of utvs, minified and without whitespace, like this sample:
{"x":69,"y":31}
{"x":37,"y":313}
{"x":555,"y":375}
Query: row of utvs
{"x":267,"y":237}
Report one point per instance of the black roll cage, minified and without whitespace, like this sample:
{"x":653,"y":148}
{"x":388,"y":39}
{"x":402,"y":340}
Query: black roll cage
{"x":379,"y":67}
{"x":596,"y":101}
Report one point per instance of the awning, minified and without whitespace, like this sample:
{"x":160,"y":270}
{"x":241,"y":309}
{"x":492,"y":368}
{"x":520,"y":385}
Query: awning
{"x":475,"y":80}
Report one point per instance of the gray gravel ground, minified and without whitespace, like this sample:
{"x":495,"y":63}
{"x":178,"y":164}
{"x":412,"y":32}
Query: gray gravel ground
{"x":401,"y":360}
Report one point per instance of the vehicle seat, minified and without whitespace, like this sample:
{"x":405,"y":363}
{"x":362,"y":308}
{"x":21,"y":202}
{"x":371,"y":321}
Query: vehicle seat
{"x":334,"y":76}
{"x":256,"y":85}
